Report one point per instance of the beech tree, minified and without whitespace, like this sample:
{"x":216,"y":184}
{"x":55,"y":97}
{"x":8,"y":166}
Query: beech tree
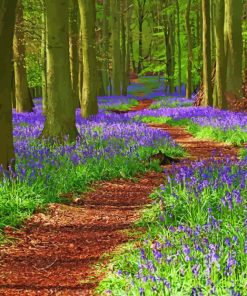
{"x":115,"y":41}
{"x":220,"y":79}
{"x":22,"y":94}
{"x":60,"y":113}
{"x":233,"y":47}
{"x":207,"y":85}
{"x":7,"y":22}
{"x":89,"y":105}
{"x":190,"y":52}
{"x":74,"y":40}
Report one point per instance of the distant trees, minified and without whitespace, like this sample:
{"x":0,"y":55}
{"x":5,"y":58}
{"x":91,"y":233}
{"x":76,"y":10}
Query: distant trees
{"x":7,"y":22}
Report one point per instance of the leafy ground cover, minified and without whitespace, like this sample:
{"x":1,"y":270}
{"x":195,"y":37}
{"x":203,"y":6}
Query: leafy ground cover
{"x":113,"y":145}
{"x":222,"y":126}
{"x":196,"y":240}
{"x":117,"y":102}
{"x":170,"y":102}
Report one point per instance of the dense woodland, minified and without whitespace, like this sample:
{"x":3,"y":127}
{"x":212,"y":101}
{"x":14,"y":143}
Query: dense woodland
{"x":109,"y":108}
{"x":76,"y":50}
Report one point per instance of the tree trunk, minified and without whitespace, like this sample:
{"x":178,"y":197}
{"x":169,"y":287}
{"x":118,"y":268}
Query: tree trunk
{"x":123,"y":35}
{"x":179,"y":49}
{"x":207,"y":84}
{"x":116,"y":54}
{"x":220,"y":83}
{"x":190,"y":53}
{"x":234,"y":48}
{"x":7,"y":22}
{"x":22,"y":94}
{"x":74,"y":51}
{"x":44,"y":60}
{"x":106,"y":42}
{"x":128,"y":34}
{"x":89,"y":104}
{"x":60,"y":114}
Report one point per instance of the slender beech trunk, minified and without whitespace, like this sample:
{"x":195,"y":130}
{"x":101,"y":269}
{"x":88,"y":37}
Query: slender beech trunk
{"x":106,"y":42}
{"x":60,"y":114}
{"x":89,"y":104}
{"x":207,"y":83}
{"x":22,"y":94}
{"x":116,"y":54}
{"x":132,"y":53}
{"x":44,"y":60}
{"x":123,"y":42}
{"x":234,"y":47}
{"x":179,"y":49}
{"x":220,"y":79}
{"x":141,"y":14}
{"x":80,"y":66}
{"x":170,"y":44}
{"x":74,"y":38}
{"x":190,"y":53}
{"x":127,"y":61}
{"x":7,"y":22}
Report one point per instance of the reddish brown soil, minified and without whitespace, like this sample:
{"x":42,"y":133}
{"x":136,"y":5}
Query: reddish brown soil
{"x":56,"y":251}
{"x":143,"y":104}
{"x":197,"y":148}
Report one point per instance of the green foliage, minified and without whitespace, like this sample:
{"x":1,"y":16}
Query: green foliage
{"x":34,"y":69}
{"x":123,"y":107}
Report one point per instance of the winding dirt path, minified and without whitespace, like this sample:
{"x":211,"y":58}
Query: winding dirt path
{"x":56,"y":251}
{"x":197,"y":148}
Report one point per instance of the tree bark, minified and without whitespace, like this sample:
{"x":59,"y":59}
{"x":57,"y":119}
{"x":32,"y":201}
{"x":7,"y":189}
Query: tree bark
{"x":89,"y":104}
{"x":141,"y":15}
{"x":44,"y":60}
{"x":22,"y":94}
{"x":234,"y":48}
{"x":7,"y":22}
{"x":179,"y":49}
{"x":190,"y":53}
{"x":116,"y":54}
{"x":207,"y":84}
{"x":60,"y":114}
{"x":220,"y":78}
{"x":106,"y":42}
{"x":74,"y":38}
{"x":123,"y":41}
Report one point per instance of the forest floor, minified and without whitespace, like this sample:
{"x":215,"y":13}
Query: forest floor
{"x":56,"y":252}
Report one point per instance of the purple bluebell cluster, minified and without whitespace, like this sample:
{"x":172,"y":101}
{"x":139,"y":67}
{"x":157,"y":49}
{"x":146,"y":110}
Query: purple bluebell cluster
{"x":196,"y":243}
{"x":203,"y":116}
{"x":101,"y":136}
{"x":171,"y":102}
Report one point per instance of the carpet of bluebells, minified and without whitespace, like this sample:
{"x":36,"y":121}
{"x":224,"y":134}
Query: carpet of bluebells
{"x":197,"y":235}
{"x":110,"y":146}
{"x":196,"y":240}
{"x":219,"y":125}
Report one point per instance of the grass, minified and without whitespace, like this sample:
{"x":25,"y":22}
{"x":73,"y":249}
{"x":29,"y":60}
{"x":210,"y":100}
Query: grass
{"x":124,"y":107}
{"x":19,"y":198}
{"x":232,"y":136}
{"x":169,"y":102}
{"x":196,"y":240}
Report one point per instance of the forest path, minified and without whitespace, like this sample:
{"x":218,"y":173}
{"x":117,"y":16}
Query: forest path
{"x":197,"y":148}
{"x":55,"y":251}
